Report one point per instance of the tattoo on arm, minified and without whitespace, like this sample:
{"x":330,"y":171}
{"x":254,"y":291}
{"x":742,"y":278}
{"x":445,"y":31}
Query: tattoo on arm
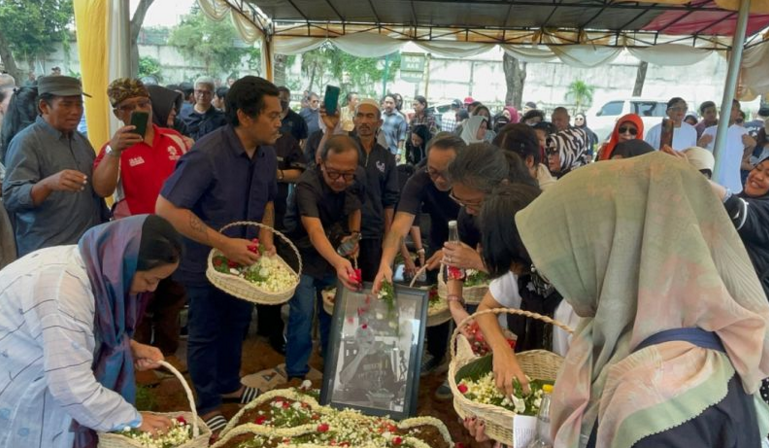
{"x":199,"y":227}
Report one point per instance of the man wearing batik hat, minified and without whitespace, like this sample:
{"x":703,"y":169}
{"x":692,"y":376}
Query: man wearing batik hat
{"x":133,"y":168}
{"x":48,"y":181}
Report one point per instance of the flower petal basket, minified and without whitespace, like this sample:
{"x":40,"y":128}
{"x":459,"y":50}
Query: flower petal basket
{"x":200,"y":432}
{"x":536,"y":364}
{"x":246,"y":290}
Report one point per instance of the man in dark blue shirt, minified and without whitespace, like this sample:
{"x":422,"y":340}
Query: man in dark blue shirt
{"x":291,"y":123}
{"x":203,"y":117}
{"x":227,"y":176}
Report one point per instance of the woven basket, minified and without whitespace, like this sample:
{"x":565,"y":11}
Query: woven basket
{"x":537,"y":364}
{"x":472,"y":295}
{"x":242,"y":288}
{"x":200,"y":432}
{"x":328,"y":301}
{"x":436,"y":315}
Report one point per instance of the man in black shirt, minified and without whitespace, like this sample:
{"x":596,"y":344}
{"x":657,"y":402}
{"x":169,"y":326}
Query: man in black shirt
{"x":291,"y":122}
{"x":290,"y":167}
{"x":202,"y":118}
{"x":325,"y":206}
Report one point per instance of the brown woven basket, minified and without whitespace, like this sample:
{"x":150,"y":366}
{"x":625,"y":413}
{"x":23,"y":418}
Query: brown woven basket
{"x":200,"y":432}
{"x":436,"y":315}
{"x":472,"y":295}
{"x":537,"y":364}
{"x":242,"y":288}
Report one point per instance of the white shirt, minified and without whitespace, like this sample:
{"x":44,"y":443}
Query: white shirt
{"x":731,"y":158}
{"x":46,"y":352}
{"x":505,"y":291}
{"x":683,"y":137}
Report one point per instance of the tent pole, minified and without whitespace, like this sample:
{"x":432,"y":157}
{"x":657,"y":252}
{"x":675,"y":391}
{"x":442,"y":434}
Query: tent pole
{"x":738,"y":42}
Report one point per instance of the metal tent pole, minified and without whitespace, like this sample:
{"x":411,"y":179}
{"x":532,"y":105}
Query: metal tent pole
{"x":738,"y":42}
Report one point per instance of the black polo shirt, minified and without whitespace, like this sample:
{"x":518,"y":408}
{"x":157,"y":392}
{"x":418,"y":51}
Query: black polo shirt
{"x":289,"y":158}
{"x":313,"y":198}
{"x":294,"y":125}
{"x":420,"y":194}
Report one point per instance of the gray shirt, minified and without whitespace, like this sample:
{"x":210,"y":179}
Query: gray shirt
{"x":35,"y":153}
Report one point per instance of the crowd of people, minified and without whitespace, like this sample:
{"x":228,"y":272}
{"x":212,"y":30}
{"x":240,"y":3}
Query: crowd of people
{"x":662,"y":271}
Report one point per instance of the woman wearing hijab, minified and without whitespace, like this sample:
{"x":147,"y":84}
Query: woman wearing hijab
{"x":474,"y":129}
{"x":628,"y":127}
{"x":416,"y":145}
{"x":631,"y":148}
{"x":566,"y":151}
{"x":67,"y":317}
{"x":166,"y":104}
{"x":483,"y":111}
{"x":580,"y":122}
{"x":674,"y":341}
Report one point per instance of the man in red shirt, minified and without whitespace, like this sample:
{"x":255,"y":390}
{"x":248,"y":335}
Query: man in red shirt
{"x":133,"y":168}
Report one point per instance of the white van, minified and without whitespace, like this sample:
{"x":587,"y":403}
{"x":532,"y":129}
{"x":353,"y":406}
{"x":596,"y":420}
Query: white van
{"x":602,"y":117}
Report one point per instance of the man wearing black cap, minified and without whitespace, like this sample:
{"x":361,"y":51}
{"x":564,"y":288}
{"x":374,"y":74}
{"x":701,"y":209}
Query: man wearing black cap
{"x":48,"y":183}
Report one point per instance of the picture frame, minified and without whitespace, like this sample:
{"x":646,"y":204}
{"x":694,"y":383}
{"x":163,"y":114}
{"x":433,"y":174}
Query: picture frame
{"x":373,"y":365}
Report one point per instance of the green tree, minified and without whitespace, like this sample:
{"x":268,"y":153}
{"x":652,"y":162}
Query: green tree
{"x":149,"y":66}
{"x":30,"y":29}
{"x":581,"y":93}
{"x":215,"y":44}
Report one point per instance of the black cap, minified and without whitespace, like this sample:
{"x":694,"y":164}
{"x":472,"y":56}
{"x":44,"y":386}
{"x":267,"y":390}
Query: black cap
{"x":60,"y":86}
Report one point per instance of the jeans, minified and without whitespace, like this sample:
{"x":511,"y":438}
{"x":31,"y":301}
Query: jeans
{"x":216,"y":324}
{"x":299,"y":334}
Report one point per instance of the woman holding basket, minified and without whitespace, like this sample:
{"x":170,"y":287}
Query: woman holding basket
{"x":67,"y":315}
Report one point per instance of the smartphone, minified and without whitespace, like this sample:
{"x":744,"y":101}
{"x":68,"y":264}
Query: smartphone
{"x":666,"y":137}
{"x":139,"y":119}
{"x":331,"y":99}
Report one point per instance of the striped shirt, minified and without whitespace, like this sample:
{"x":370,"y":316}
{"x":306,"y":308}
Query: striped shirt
{"x":46,"y":352}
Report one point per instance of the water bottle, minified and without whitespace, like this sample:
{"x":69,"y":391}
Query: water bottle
{"x":347,"y":247}
{"x":453,"y":273}
{"x":543,"y":421}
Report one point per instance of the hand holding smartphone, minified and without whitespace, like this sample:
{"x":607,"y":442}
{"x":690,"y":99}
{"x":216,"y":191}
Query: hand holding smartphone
{"x":331,"y":99}
{"x":139,"y":119}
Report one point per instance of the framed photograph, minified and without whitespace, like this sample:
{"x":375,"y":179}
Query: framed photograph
{"x":375,"y":352}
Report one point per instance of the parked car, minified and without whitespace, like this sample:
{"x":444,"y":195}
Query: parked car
{"x":602,"y":117}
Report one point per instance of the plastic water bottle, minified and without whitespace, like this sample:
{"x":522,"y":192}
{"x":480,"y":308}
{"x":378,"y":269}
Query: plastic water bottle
{"x":453,"y":273}
{"x":543,"y":421}
{"x":347,"y":247}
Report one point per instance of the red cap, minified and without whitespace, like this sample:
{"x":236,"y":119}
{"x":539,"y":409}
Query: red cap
{"x":469,"y":100}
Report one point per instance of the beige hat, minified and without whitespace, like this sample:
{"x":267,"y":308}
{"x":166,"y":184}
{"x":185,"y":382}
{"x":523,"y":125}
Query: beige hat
{"x":700,"y":158}
{"x":368,"y":102}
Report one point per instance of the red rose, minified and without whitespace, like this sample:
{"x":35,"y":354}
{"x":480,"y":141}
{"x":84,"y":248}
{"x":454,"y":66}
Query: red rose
{"x":511,"y":343}
{"x":397,"y":441}
{"x":260,"y":420}
{"x":231,"y":264}
{"x":364,"y":326}
{"x":323,"y":427}
{"x":253,"y":248}
{"x":286,"y":405}
{"x":181,"y":420}
{"x":459,"y":445}
{"x":462,"y":387}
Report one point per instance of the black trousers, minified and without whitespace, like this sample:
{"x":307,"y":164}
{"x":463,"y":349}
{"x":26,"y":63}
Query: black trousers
{"x":369,"y":256}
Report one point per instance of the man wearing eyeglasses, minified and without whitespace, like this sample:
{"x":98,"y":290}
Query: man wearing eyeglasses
{"x":684,"y":134}
{"x":311,"y":113}
{"x":47,"y":185}
{"x":324,"y":211}
{"x":203,"y":117}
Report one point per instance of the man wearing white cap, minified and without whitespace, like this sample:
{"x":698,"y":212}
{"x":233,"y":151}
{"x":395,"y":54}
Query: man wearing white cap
{"x":48,"y":183}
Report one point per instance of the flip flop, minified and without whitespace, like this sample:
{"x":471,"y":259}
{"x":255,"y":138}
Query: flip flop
{"x":248,"y":395}
{"x":216,"y":423}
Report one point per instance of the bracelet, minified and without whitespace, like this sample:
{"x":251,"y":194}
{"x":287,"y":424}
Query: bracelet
{"x":421,"y":250}
{"x":455,"y":298}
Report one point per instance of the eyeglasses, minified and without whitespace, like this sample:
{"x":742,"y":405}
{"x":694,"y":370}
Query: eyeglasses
{"x":683,"y":108}
{"x":475,"y":204}
{"x":625,"y":129}
{"x":335,"y":175}
{"x":204,"y":92}
{"x":435,"y":174}
{"x":144,"y":104}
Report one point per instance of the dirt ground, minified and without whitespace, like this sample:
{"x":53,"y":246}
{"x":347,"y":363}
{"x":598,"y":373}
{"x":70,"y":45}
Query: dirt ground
{"x":169,"y":396}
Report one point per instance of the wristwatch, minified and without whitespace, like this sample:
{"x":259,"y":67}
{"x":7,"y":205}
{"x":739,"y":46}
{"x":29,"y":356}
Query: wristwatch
{"x":111,"y":152}
{"x":421,"y":250}
{"x":455,"y":298}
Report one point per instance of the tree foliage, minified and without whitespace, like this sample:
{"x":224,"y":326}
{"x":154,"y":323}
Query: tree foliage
{"x":329,"y":65}
{"x":30,"y":29}
{"x":215,"y":44}
{"x":149,"y":66}
{"x":581,"y":93}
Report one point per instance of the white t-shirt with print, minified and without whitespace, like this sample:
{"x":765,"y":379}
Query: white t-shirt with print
{"x":683,"y":137}
{"x":505,"y":291}
{"x":731,"y":158}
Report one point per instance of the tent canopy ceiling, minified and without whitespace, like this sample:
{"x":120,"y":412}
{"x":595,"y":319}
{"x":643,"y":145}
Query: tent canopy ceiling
{"x":696,"y":18}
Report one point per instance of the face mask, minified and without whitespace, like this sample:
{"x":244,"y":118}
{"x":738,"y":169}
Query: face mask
{"x":284,"y":105}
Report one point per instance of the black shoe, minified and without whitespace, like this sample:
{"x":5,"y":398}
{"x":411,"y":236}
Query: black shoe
{"x":278,"y":344}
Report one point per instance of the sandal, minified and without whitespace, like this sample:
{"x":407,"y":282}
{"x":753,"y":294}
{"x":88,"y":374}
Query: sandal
{"x":248,"y":395}
{"x":216,"y":423}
